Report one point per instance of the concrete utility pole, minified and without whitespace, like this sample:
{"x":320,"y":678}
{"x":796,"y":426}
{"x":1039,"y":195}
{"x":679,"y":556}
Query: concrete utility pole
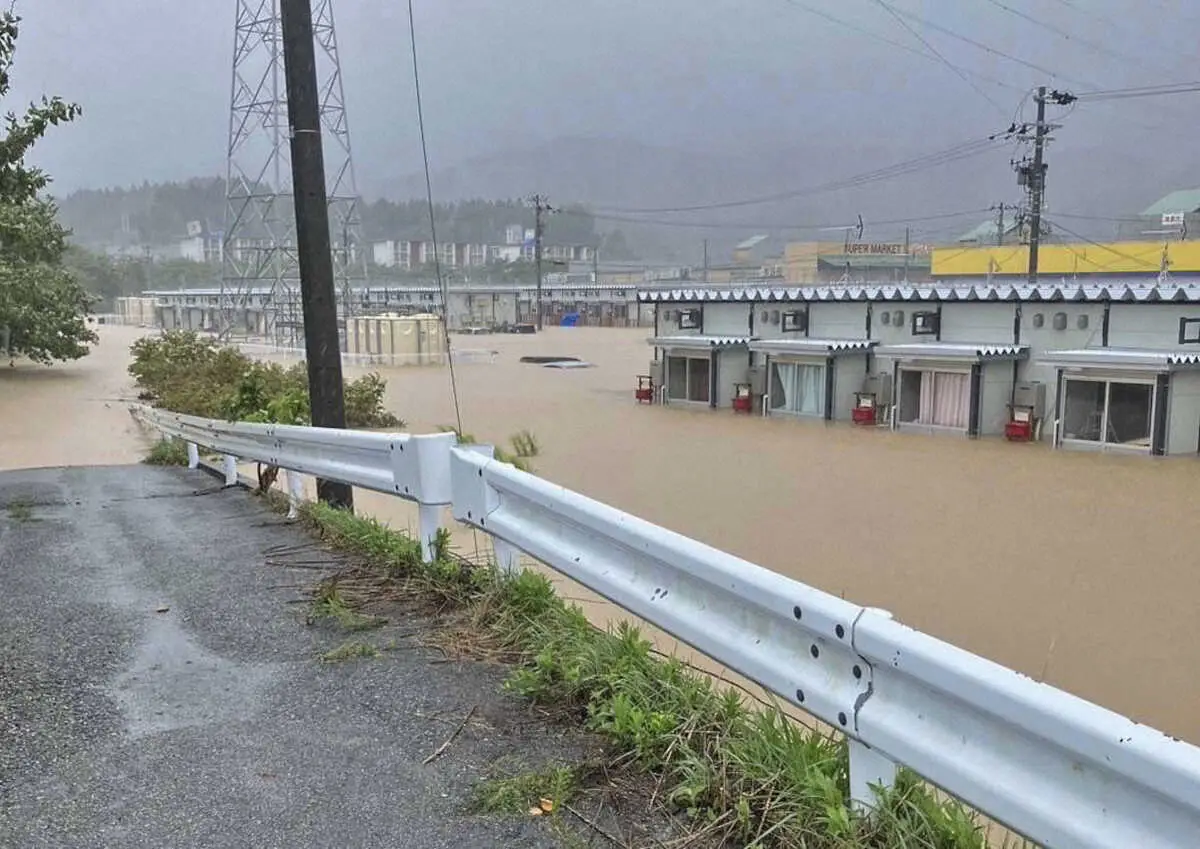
{"x":1000,"y":224}
{"x":706,"y":262}
{"x":315,"y":260}
{"x":1037,"y":185}
{"x":540,"y":206}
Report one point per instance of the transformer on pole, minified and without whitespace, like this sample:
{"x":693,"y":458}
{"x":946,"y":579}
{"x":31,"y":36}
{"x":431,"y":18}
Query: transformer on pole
{"x":260,"y":285}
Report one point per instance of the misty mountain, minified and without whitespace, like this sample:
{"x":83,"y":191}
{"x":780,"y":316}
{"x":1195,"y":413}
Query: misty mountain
{"x":614,"y":175}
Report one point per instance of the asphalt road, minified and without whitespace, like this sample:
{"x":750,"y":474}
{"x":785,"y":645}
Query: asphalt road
{"x":157,"y":689}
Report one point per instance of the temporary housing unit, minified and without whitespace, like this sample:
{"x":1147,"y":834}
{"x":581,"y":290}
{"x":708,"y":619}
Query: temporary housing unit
{"x":699,"y":369}
{"x":397,"y":339}
{"x":809,"y":378}
{"x":952,"y":387}
{"x":1123,"y":399}
{"x":1113,"y":367}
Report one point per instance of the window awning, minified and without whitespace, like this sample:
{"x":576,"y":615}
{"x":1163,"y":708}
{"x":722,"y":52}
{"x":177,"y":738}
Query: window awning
{"x":698,"y":342}
{"x":1122,"y":358}
{"x":963,"y":352}
{"x":812,"y":347}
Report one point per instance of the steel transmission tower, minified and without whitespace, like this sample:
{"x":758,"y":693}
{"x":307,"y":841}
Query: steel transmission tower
{"x":261,"y":275}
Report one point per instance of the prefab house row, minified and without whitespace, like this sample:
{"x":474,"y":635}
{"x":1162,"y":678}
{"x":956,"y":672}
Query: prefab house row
{"x":1086,"y":372}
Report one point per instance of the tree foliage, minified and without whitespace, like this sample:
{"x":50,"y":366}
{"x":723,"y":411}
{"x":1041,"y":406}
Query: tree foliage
{"x":43,"y":309}
{"x":109,"y":278}
{"x":182,"y":371}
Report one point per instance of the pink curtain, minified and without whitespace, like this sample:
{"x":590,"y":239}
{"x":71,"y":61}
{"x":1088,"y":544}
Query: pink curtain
{"x":952,"y":394}
{"x":945,"y":399}
{"x":925,"y":413}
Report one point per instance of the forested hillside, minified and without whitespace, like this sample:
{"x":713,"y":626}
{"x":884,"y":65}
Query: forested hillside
{"x":159,"y":213}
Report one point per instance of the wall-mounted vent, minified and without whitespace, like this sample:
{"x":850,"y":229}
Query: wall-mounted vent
{"x":1060,"y":321}
{"x":1039,"y":320}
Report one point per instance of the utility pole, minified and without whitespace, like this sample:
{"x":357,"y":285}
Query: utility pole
{"x":706,"y":262}
{"x":540,"y":206}
{"x":1037,"y":185}
{"x":1000,"y":225}
{"x":317,"y":295}
{"x":907,"y":248}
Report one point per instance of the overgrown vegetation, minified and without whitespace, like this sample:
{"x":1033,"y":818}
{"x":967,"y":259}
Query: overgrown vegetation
{"x":43,"y":309}
{"x":543,"y":790}
{"x":523,"y":447}
{"x":20,"y":510}
{"x":350,"y":650}
{"x":738,"y":772}
{"x":187,"y":373}
{"x":167,"y":452}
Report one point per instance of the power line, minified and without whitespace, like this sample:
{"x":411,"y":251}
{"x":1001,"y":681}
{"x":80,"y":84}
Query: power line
{"x":1102,"y":246}
{"x":957,"y":70}
{"x":443,"y":284}
{"x":1096,"y":95}
{"x":960,"y":151}
{"x":977,"y":44}
{"x":1099,"y":48}
{"x":770,"y":226}
{"x":885,"y":40}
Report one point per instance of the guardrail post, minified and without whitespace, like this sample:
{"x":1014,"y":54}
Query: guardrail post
{"x":868,"y":769}
{"x":295,"y":485}
{"x":508,"y":557}
{"x":193,"y":455}
{"x":429,"y":524}
{"x":230,"y":465}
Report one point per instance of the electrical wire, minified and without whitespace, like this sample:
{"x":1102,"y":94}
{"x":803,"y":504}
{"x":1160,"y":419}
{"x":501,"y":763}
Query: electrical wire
{"x":779,"y":226}
{"x":820,"y":13}
{"x":957,"y":70}
{"x":1101,"y":245}
{"x":1096,"y":95}
{"x":443,"y":284}
{"x":977,"y":44}
{"x":1075,"y":39}
{"x":963,"y":150}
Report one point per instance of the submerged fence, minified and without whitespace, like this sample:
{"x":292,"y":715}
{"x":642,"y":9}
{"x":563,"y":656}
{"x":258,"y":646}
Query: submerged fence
{"x":1065,"y":773}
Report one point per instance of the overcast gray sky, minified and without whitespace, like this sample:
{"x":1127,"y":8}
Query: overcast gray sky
{"x":733,"y":76}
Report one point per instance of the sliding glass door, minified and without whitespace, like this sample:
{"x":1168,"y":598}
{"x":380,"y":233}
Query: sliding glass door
{"x":935,"y":398}
{"x":797,"y":388}
{"x":1118,"y":413}
{"x":688,"y":379}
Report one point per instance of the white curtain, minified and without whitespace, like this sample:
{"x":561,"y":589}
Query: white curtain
{"x":801,"y":388}
{"x":945,"y":399}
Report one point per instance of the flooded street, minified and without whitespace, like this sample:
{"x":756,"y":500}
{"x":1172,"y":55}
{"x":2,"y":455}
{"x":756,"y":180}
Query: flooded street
{"x":1074,"y":568}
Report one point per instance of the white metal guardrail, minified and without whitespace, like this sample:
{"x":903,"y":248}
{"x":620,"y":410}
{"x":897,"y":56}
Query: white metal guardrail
{"x":1061,"y":771}
{"x":415,"y":468}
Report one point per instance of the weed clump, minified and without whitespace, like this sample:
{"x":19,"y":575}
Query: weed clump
{"x":739,"y":772}
{"x":351,"y":650}
{"x":167,"y":452}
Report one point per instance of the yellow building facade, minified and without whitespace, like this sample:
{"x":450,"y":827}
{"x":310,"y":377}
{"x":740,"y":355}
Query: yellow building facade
{"x":1070,"y":259}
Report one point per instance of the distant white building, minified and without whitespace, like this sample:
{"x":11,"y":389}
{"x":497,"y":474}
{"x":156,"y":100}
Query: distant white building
{"x":203,"y":247}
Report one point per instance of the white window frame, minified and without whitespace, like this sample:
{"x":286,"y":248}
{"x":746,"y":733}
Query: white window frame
{"x":1103,"y":444}
{"x":772,"y":363}
{"x":687,"y":356}
{"x":934,"y":368}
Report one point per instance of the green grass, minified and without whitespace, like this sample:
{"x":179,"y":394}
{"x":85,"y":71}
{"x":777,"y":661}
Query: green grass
{"x":330,"y":606}
{"x":743,"y":772}
{"x":167,"y":452}
{"x":20,"y":510}
{"x":351,"y":650}
{"x":517,"y":794}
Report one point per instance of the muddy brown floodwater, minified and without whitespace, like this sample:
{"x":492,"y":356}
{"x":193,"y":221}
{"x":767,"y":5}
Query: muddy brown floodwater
{"x":1076,"y":569}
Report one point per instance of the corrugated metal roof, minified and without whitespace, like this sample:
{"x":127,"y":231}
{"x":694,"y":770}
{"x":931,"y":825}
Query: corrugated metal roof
{"x":1182,"y":200}
{"x":954,"y":351}
{"x":698,"y":341}
{"x":1130,"y":290}
{"x":812,"y":346}
{"x":1122,"y":358}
